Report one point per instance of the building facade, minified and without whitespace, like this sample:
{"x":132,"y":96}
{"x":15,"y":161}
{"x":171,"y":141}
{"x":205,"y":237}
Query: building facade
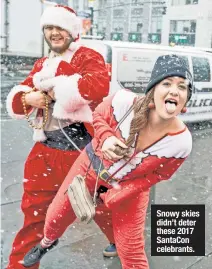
{"x":129,"y":20}
{"x":188,"y":23}
{"x":180,"y":22}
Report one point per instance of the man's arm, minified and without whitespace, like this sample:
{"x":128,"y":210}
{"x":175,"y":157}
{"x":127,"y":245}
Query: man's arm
{"x":83,"y":82}
{"x":14,"y":98}
{"x":94,"y":83}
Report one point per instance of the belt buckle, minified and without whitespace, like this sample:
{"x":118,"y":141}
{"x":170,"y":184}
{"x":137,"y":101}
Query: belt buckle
{"x":104,"y":175}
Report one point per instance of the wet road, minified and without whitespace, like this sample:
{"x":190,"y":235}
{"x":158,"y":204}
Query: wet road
{"x":81,"y":246}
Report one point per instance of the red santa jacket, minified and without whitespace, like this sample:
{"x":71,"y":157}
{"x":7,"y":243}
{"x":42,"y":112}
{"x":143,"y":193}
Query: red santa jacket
{"x":156,"y":163}
{"x":80,"y":81}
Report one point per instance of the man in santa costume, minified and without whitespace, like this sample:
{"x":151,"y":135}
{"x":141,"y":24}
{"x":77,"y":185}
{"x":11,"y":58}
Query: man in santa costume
{"x":57,"y":98}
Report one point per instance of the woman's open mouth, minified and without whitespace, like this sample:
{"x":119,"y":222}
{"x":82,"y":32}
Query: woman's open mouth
{"x":171,"y":105}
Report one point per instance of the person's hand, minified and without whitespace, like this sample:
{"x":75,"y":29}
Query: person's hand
{"x":109,"y":146}
{"x":36,"y":99}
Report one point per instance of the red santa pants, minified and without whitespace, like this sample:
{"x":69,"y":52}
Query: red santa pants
{"x":128,"y":219}
{"x":45,"y":170}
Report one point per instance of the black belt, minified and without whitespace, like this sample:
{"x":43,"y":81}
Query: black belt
{"x":98,"y":166}
{"x":76,"y":131}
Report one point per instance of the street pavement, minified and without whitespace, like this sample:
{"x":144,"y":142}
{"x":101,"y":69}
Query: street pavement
{"x":81,"y":246}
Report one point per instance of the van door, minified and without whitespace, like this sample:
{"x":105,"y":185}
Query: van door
{"x":200,"y":106}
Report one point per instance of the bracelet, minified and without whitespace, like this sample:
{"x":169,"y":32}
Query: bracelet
{"x":31,"y":124}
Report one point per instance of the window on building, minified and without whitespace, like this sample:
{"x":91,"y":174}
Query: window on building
{"x":102,"y":25}
{"x":201,"y":69}
{"x":156,"y":24}
{"x":182,"y":27}
{"x":184,"y":2}
{"x":182,"y":32}
{"x":103,"y":13}
{"x":117,"y":13}
{"x":156,"y":21}
{"x":157,"y":11}
{"x":192,"y":26}
{"x":154,"y":36}
{"x":118,"y":26}
{"x":133,"y":25}
{"x":137,"y":12}
{"x":191,"y":2}
{"x":139,"y":27}
{"x":173,"y":26}
{"x":177,"y":2}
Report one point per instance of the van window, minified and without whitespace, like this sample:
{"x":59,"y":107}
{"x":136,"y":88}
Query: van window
{"x":201,"y":69}
{"x":185,"y":59}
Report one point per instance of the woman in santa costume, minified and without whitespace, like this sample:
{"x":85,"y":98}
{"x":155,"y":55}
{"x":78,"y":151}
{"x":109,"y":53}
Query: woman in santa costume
{"x":58,"y":96}
{"x":148,"y":146}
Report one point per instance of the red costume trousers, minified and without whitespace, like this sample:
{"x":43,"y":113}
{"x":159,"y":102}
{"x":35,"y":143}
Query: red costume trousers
{"x":128,"y":218}
{"x":45,"y":170}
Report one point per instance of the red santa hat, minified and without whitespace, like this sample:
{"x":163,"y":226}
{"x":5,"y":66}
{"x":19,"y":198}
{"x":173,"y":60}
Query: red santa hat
{"x":62,"y":16}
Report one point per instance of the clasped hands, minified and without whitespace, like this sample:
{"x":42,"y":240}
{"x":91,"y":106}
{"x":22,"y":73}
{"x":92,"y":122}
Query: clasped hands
{"x":36,"y":98}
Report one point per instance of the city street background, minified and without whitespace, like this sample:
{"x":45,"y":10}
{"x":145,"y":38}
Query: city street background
{"x":169,"y":23}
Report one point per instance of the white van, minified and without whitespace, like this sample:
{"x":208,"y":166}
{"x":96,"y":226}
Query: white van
{"x":130,"y":66}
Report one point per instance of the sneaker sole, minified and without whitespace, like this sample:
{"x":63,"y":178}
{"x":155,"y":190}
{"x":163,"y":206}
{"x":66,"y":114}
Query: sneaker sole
{"x":110,"y":254}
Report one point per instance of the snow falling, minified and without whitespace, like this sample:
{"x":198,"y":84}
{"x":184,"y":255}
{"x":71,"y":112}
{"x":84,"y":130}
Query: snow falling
{"x":81,"y":245}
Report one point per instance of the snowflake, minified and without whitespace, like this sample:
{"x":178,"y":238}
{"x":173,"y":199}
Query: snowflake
{"x":35,"y":213}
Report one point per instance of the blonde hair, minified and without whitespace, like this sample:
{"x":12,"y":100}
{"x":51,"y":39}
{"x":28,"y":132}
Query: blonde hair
{"x":139,"y":121}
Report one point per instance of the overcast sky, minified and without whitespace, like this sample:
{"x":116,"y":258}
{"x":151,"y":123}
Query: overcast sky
{"x":24,"y":31}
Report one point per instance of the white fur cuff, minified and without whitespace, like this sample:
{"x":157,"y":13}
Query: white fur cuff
{"x":67,"y":93}
{"x":10,"y":97}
